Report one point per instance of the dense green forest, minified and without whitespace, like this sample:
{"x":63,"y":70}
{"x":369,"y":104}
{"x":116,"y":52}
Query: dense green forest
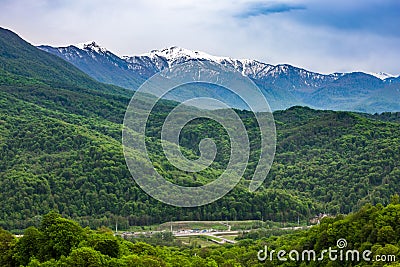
{"x":63,"y":173}
{"x":56,"y":159}
{"x":60,"y":149}
{"x":61,"y":242}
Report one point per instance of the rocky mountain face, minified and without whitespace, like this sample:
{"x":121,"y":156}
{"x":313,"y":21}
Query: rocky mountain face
{"x":283,"y":85}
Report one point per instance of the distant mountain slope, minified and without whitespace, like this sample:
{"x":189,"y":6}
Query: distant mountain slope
{"x":107,"y":68}
{"x":283,"y":85}
{"x":23,"y":64}
{"x":347,"y":92}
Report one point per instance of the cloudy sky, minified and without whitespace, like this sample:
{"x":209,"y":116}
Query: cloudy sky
{"x":324,"y":36}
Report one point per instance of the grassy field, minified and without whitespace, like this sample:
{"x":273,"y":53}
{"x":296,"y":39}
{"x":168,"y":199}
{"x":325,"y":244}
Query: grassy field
{"x":229,"y":237}
{"x":144,"y":228}
{"x":197,"y":241}
{"x":216,"y":225}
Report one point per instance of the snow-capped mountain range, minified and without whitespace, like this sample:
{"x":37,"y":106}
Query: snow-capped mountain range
{"x":284,"y":85}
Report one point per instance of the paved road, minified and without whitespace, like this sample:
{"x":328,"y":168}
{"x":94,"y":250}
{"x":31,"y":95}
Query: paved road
{"x":211,"y":235}
{"x":218,"y":234}
{"x":181,"y":234}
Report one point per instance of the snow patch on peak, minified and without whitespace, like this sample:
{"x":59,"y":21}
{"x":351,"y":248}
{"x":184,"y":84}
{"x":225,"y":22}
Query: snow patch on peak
{"x":93,"y":46}
{"x":174,"y":53}
{"x":381,"y":75}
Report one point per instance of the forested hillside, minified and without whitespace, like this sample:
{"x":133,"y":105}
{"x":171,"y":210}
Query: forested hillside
{"x":53,"y":158}
{"x":61,"y":242}
{"x":24,"y":64}
{"x":60,"y":149}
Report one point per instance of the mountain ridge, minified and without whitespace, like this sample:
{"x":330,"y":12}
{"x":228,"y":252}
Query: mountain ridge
{"x":283,"y":85}
{"x":173,"y":52}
